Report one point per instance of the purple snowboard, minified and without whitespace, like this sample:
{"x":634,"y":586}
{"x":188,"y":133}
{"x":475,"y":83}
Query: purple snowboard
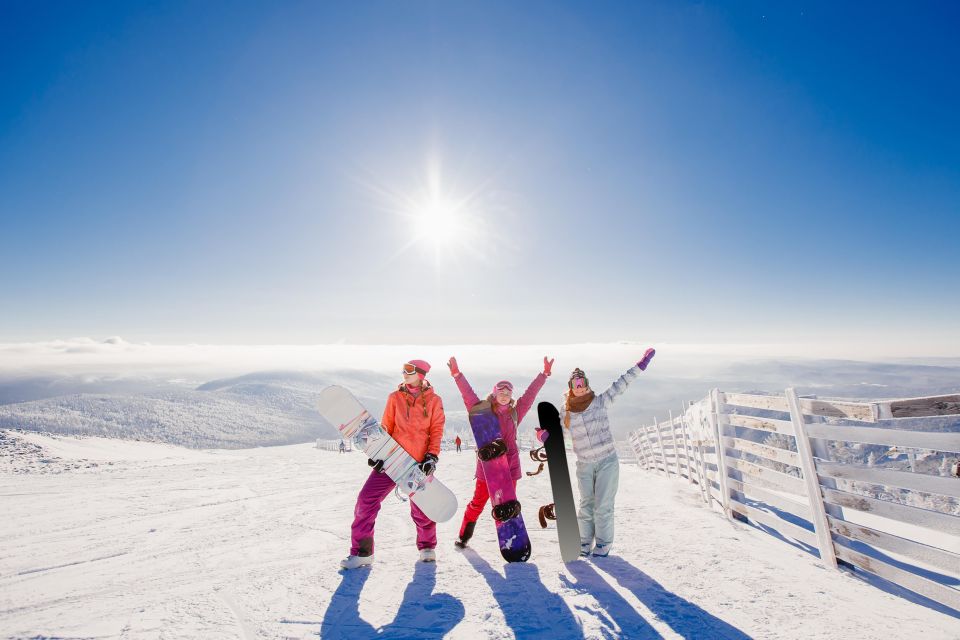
{"x":511,"y":532}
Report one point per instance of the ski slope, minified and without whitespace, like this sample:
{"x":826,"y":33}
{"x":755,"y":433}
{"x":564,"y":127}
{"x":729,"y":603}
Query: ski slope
{"x":117,"y":539}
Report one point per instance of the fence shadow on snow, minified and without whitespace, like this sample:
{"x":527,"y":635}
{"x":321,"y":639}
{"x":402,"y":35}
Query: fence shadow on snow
{"x":871,"y":487}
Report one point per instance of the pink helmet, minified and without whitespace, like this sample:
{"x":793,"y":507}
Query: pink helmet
{"x":503,"y":384}
{"x":419,"y":367}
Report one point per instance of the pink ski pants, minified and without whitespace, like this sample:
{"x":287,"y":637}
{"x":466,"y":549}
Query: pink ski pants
{"x":377,"y":487}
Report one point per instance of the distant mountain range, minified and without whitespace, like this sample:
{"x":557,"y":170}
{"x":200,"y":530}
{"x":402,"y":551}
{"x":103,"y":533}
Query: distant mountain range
{"x":278,"y":407}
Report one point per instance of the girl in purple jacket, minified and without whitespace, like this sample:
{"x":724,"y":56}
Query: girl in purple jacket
{"x":510,"y":412}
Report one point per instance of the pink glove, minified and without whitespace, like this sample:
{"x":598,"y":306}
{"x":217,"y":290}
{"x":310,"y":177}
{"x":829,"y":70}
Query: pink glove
{"x":547,"y":366}
{"x":645,"y":360}
{"x":454,"y":369}
{"x":542,"y":435}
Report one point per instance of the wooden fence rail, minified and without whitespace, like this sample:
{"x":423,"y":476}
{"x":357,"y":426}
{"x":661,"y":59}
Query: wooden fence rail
{"x":798,"y":465}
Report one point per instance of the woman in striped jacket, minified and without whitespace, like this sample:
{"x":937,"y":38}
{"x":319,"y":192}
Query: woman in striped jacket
{"x":584,"y":415}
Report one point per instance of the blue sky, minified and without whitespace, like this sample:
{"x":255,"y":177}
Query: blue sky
{"x":657,"y":172}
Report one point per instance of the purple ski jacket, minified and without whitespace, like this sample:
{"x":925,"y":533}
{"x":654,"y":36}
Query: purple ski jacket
{"x":507,"y":425}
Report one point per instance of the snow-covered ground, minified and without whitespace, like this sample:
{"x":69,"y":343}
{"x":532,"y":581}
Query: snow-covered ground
{"x":130,"y":539}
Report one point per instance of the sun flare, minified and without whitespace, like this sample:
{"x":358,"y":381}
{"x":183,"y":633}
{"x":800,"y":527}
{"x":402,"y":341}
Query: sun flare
{"x":442,"y":223}
{"x":438,"y":222}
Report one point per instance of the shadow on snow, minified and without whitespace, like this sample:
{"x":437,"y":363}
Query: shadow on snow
{"x":866,"y":549}
{"x":530,"y":609}
{"x":619,"y":618}
{"x":422,"y":613}
{"x":684,"y":617}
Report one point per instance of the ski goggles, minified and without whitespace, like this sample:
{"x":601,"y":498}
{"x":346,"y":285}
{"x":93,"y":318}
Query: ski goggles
{"x":578,"y":380}
{"x":503,"y":385}
{"x":410,"y":369}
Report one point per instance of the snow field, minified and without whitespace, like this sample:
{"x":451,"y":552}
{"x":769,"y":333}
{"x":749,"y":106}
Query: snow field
{"x":246,"y":544}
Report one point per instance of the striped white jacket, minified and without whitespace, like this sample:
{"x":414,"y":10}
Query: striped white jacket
{"x":590,"y":429}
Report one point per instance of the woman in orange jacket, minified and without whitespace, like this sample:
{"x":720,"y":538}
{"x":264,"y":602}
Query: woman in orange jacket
{"x":414,"y":417}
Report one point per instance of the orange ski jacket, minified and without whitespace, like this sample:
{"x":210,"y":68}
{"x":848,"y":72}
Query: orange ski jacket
{"x":416,"y":423}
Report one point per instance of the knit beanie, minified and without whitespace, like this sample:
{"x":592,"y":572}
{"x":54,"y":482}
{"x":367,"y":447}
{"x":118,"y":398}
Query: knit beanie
{"x":422,"y":367}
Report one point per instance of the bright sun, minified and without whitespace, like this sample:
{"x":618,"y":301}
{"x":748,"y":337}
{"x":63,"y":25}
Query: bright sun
{"x":437,"y":221}
{"x":437,"y":217}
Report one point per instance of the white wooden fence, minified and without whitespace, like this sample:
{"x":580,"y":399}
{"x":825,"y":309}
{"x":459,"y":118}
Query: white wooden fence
{"x":332,"y":445}
{"x":778,"y":461}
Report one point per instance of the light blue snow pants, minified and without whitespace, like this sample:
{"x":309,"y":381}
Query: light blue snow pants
{"x":598,"y":483}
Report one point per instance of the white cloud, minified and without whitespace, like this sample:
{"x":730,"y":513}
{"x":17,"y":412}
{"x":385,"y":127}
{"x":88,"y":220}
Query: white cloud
{"x":117,"y":356}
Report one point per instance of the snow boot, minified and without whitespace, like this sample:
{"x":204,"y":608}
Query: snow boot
{"x":461,"y":542}
{"x":602,"y":550}
{"x":352,"y":562}
{"x":428,"y":555}
{"x":585,"y":549}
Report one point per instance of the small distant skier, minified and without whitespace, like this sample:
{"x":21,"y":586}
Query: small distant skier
{"x":584,"y":415}
{"x":414,"y":417}
{"x":343,"y":446}
{"x":458,"y":441}
{"x":509,"y":412}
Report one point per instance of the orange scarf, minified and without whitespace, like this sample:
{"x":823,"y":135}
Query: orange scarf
{"x":576,"y":405}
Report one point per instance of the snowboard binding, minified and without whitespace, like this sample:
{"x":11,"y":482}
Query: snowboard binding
{"x":506,"y":510}
{"x":538,"y":455}
{"x":547,"y":512}
{"x":492,"y":450}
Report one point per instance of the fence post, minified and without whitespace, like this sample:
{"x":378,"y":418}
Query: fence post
{"x":653,"y":449}
{"x":637,"y":449}
{"x":705,"y":488}
{"x":663,"y":452}
{"x":673,"y":439}
{"x":715,"y":413}
{"x":707,"y":485}
{"x":643,"y":449}
{"x":638,"y":443}
{"x":648,"y":447}
{"x":647,"y":450}
{"x":687,"y":445}
{"x":809,"y":468}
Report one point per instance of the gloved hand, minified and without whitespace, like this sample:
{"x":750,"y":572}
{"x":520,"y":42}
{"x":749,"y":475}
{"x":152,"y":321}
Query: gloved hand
{"x":542,"y":435}
{"x":454,"y":369}
{"x":645,"y":360}
{"x":547,"y":366}
{"x":376,"y":464}
{"x":429,"y":464}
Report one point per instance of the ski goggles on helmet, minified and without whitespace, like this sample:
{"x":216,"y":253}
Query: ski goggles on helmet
{"x":410,"y":369}
{"x":578,"y":379}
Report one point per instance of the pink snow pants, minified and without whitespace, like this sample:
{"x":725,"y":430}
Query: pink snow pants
{"x":475,"y":507}
{"x":377,"y":487}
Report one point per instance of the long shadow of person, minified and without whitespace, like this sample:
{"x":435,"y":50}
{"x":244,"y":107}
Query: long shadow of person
{"x":530,"y":609}
{"x":684,"y":617}
{"x":342,"y":618}
{"x":422,"y":613}
{"x":619,"y":618}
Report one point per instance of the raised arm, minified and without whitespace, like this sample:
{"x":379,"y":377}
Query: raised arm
{"x":620,"y":385}
{"x":528,"y":397}
{"x":466,"y":391}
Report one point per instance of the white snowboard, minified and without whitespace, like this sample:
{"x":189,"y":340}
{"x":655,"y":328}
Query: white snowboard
{"x":341,"y":409}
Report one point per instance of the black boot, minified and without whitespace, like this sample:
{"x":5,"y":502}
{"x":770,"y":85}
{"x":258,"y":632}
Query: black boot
{"x":466,"y":535}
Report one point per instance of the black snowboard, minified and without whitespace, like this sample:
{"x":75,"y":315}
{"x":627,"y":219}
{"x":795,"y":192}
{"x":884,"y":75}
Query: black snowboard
{"x":564,"y":509}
